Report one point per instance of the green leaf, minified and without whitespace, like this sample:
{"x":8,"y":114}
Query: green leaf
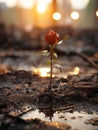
{"x":64,"y":39}
{"x":55,"y":55}
{"x":45,"y":53}
{"x":60,"y":42}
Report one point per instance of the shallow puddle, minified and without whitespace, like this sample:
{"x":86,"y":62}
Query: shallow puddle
{"x":76,"y":119}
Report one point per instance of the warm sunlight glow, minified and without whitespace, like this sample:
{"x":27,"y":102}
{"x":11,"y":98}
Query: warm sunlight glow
{"x":44,"y":1}
{"x":79,"y":4}
{"x":75,"y":15}
{"x":56,"y":16}
{"x":76,"y":71}
{"x":49,"y":1}
{"x":41,"y":8}
{"x":43,"y":71}
{"x":10,"y":3}
{"x":97,"y":13}
{"x":42,"y":5}
{"x":26,"y":4}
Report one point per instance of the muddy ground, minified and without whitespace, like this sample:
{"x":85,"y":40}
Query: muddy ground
{"x":22,"y":91}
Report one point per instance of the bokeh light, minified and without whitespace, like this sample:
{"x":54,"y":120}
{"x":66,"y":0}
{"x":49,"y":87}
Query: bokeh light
{"x":56,"y":16}
{"x":41,"y":8}
{"x":79,"y":4}
{"x":75,"y":15}
{"x":42,"y":5}
{"x":97,"y":13}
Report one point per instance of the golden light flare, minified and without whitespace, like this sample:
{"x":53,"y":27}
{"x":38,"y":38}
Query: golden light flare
{"x":41,"y":8}
{"x":79,"y":4}
{"x":75,"y":15}
{"x":45,"y":72}
{"x":42,"y":71}
{"x":56,"y":16}
{"x":26,"y":4}
{"x":76,"y":71}
{"x":42,"y":5}
{"x":97,"y":13}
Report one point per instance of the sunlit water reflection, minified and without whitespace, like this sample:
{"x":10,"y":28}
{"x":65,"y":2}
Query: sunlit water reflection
{"x":75,"y":119}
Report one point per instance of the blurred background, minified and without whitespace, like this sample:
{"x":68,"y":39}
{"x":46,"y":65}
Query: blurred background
{"x":45,"y":13}
{"x":23,"y":23}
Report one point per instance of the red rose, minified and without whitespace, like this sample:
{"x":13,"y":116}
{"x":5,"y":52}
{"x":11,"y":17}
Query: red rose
{"x":52,"y":37}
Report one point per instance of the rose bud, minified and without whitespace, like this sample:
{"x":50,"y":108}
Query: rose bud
{"x":52,"y":37}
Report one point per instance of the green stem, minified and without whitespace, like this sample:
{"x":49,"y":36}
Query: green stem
{"x":51,"y":65}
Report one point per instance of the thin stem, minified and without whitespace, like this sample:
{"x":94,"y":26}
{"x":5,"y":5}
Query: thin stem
{"x":51,"y":64}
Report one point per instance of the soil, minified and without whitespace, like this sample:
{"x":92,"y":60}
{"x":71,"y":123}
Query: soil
{"x":22,"y":91}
